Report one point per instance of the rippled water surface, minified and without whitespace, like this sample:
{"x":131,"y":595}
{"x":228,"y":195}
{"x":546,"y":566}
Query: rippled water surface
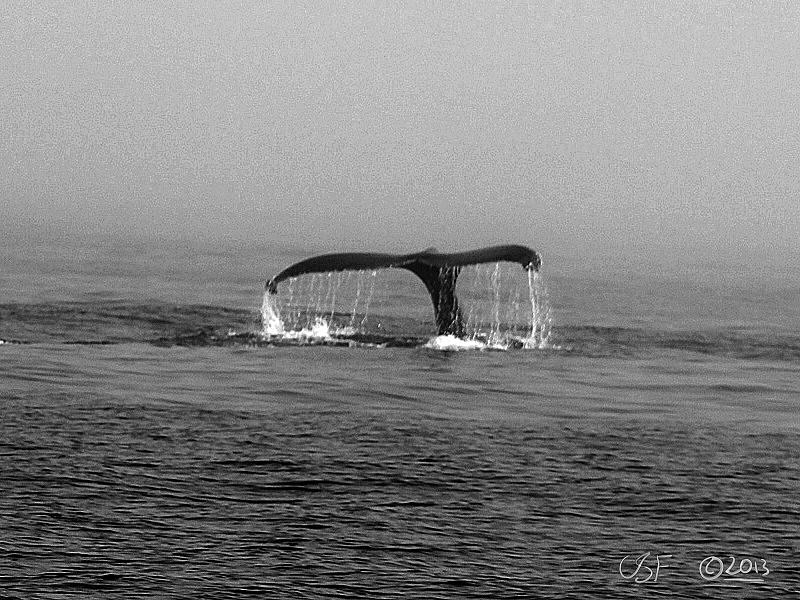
{"x":154,"y":444}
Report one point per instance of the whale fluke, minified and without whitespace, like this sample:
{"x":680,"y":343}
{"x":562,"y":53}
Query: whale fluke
{"x":437,"y":271}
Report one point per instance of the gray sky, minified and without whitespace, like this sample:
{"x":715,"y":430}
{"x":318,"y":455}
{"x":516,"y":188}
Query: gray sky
{"x":586,"y":129}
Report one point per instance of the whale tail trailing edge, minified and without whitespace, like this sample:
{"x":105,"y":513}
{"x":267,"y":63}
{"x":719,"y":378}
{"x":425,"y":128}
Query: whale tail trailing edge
{"x":439,"y":272}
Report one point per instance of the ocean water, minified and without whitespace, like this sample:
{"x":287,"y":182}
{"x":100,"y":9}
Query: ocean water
{"x":156,"y":442}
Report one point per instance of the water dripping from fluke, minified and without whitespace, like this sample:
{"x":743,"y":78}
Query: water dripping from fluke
{"x":541,"y":319}
{"x":323,"y":305}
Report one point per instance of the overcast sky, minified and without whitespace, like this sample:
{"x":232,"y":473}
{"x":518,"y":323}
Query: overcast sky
{"x":580,"y":128}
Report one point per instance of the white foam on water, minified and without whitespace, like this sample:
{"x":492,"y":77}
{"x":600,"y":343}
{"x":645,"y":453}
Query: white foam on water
{"x":319,"y":331}
{"x":452,"y":343}
{"x":346,"y":330}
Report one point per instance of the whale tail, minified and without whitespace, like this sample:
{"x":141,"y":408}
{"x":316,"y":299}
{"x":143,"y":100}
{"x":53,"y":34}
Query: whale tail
{"x":439,"y":273}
